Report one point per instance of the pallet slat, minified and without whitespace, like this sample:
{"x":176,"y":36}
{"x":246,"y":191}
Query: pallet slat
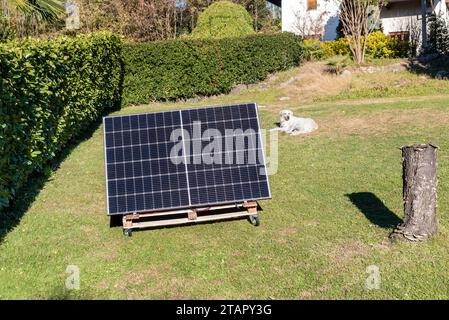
{"x":169,"y":222}
{"x":245,"y":209}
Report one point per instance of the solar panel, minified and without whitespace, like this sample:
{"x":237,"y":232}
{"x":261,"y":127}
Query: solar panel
{"x":185,"y":158}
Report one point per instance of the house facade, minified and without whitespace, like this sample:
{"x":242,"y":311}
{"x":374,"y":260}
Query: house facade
{"x":319,"y":18}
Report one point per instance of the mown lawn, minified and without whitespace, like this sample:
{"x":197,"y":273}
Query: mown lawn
{"x":336,"y":196}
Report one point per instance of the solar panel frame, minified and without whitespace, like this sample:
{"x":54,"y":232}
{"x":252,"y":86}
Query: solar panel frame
{"x":190,"y":205}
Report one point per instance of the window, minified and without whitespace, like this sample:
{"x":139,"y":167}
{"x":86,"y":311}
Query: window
{"x":400,"y":35}
{"x":311,"y":4}
{"x":313,"y":37}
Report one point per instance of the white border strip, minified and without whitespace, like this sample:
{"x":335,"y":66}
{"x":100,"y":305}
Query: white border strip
{"x":262,"y":146}
{"x":185,"y":157}
{"x":105,"y":163}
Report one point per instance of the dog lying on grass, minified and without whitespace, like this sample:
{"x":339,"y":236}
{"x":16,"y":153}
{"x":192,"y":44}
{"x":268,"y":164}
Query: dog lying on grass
{"x":295,"y":125}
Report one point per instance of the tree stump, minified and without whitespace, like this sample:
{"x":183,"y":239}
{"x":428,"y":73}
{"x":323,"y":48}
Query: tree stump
{"x":419,"y":176}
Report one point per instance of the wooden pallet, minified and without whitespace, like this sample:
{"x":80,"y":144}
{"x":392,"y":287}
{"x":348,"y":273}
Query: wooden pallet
{"x":184,"y":216}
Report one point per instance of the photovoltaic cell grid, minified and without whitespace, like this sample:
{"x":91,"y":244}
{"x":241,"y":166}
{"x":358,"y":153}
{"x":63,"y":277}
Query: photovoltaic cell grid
{"x":141,"y":176}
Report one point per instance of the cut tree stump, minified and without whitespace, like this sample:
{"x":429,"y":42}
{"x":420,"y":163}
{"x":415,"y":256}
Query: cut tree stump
{"x":419,"y":176}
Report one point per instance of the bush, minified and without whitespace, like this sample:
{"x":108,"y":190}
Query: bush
{"x":438,"y":35}
{"x":223,"y":19}
{"x":338,"y":47}
{"x":50,"y":91}
{"x":6,"y":32}
{"x":381,"y":46}
{"x":319,"y":50}
{"x":314,"y":50}
{"x":337,"y":63}
{"x":378,"y":45}
{"x":174,"y":69}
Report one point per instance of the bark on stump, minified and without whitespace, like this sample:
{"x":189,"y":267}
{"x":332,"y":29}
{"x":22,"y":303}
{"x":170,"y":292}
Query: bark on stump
{"x":419,"y":176}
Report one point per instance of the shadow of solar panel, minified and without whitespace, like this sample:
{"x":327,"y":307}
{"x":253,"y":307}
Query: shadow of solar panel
{"x":219,"y":159}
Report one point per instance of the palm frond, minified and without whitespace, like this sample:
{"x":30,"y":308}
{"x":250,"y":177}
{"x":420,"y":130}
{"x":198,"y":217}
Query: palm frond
{"x":47,"y":10}
{"x":20,"y":5}
{"x":41,"y":10}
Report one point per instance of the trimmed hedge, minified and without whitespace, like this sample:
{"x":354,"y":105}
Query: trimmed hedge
{"x":50,"y":91}
{"x":174,"y":69}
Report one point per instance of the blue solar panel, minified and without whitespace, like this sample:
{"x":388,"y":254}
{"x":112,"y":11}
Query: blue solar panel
{"x":143,"y":173}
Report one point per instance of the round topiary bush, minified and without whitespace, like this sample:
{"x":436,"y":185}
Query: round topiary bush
{"x":223,"y":19}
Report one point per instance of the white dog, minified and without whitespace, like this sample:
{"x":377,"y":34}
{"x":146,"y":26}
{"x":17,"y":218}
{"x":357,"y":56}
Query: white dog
{"x":294,"y":125}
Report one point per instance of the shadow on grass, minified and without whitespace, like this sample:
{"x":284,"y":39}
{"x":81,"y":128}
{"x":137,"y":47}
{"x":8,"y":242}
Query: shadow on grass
{"x":430,"y":64}
{"x":61,"y":293}
{"x":25,"y":196}
{"x":374,"y":209}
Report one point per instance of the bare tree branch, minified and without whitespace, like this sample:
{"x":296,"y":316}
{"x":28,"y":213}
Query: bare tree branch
{"x":359,"y":19}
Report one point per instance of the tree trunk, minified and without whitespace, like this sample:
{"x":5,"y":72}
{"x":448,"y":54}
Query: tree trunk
{"x":424,"y":23}
{"x":419,"y":175}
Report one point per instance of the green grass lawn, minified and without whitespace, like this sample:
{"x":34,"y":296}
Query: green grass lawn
{"x":336,"y":197}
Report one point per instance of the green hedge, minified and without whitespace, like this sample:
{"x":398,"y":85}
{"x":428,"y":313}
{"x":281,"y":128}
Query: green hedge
{"x":50,"y":91}
{"x":168,"y":70}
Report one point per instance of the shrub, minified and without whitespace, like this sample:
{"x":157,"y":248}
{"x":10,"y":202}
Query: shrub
{"x":174,"y":69}
{"x":223,"y":19}
{"x":314,"y":50}
{"x":50,"y":91}
{"x":381,"y":46}
{"x":338,"y":47}
{"x":6,"y":32}
{"x":337,"y":63}
{"x":438,"y":35}
{"x":378,"y":45}
{"x":319,"y":50}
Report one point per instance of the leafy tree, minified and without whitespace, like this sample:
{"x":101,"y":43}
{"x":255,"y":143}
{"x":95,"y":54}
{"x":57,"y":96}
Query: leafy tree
{"x":262,"y":17}
{"x":223,"y":19}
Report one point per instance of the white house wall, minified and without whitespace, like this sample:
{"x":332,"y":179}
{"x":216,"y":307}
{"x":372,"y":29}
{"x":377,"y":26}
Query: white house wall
{"x":398,"y":16}
{"x":295,"y":15}
{"x":401,"y":16}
